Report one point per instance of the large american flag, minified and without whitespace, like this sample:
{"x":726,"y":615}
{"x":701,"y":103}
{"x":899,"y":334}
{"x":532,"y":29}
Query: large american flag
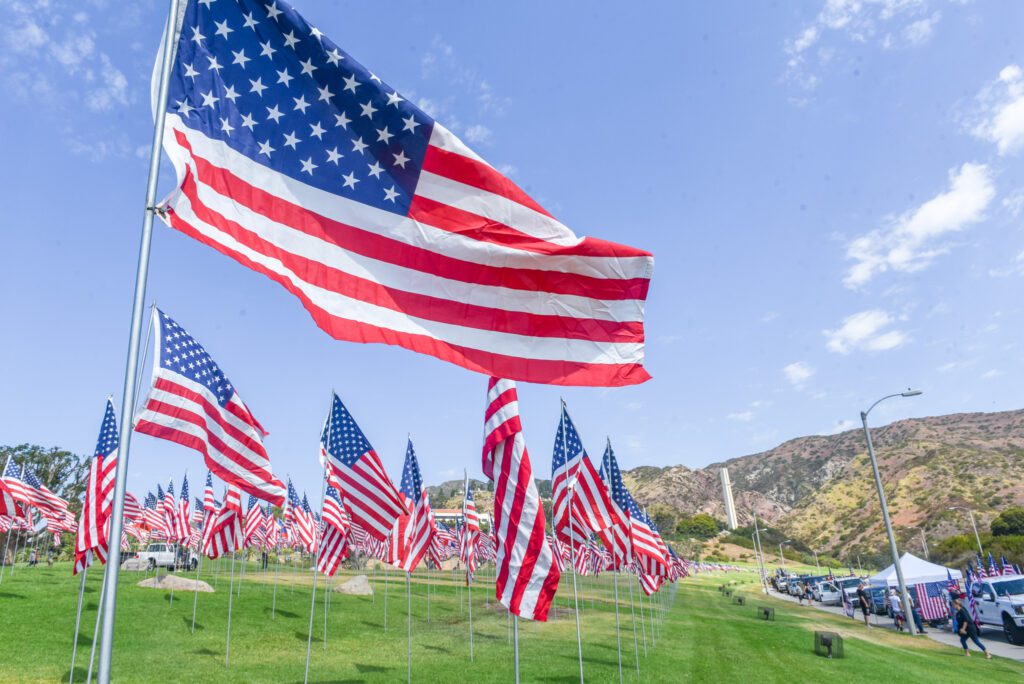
{"x":367,"y":492}
{"x":469,"y":533}
{"x":418,"y":525}
{"x":527,"y":576}
{"x":193,"y":403}
{"x":619,"y":539}
{"x":183,"y":525}
{"x":172,"y":520}
{"x":132,"y":508}
{"x":574,"y":479}
{"x":301,"y":164}
{"x":930,"y":600}
{"x":99,"y":489}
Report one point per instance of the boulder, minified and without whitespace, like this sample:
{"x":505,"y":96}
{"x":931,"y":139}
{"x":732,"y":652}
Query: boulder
{"x":357,"y":586}
{"x":176,"y":582}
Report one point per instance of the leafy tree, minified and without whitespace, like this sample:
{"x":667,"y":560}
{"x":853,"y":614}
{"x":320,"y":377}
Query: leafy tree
{"x":1009,"y":522}
{"x":60,"y":470}
{"x":663,"y":515}
{"x":700,"y":526}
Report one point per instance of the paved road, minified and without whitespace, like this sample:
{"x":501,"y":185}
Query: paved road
{"x":993,"y":638}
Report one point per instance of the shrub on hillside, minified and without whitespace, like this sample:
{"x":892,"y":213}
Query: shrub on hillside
{"x":1009,"y":522}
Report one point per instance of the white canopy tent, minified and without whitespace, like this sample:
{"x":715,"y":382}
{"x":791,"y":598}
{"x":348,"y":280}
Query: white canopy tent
{"x":915,"y":571}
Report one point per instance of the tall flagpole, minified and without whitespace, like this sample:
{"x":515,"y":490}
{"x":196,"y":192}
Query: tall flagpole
{"x":312,"y":601}
{"x":195,"y":597}
{"x":515,"y":631}
{"x":469,"y":575}
{"x":632,"y":610}
{"x":615,"y":571}
{"x":572,"y":544}
{"x":231,"y":594}
{"x":96,"y":629}
{"x":78,"y":613}
{"x":277,"y":571}
{"x":386,"y":596}
{"x":408,"y":620}
{"x":134,"y":338}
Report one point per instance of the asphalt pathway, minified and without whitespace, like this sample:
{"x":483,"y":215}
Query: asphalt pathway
{"x":992,"y":637}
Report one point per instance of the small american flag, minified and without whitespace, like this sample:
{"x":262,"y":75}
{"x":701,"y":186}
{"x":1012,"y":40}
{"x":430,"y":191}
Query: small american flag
{"x":418,"y":524}
{"x":298,"y":162}
{"x":470,"y":533}
{"x":333,"y":541}
{"x":299,"y":514}
{"x":527,"y":577}
{"x":364,"y":486}
{"x":8,"y":506}
{"x":42,"y":498}
{"x":132,"y":508}
{"x":192,"y":402}
{"x":254,"y":534}
{"x":223,"y":533}
{"x":99,"y":489}
{"x":619,"y":539}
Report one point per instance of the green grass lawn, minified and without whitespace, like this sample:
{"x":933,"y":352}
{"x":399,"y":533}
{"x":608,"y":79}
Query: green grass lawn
{"x":702,"y":637}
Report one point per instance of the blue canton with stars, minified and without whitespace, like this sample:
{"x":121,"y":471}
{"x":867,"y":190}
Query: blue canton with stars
{"x":30,"y":479}
{"x":106,"y":444}
{"x":179,"y":352}
{"x":305,"y":503}
{"x":261,"y":79}
{"x":12,"y":470}
{"x":159,"y":493}
{"x":332,"y":493}
{"x":252,"y":502}
{"x":572,"y":445}
{"x":342,"y":439}
{"x":150,"y":502}
{"x":412,"y":482}
{"x":293,"y":496}
{"x":184,"y":488}
{"x":620,"y":495}
{"x":170,"y":488}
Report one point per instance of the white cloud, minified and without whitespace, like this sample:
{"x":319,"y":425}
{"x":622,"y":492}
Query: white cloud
{"x":1001,"y":111}
{"x":991,"y":374}
{"x":886,"y":23}
{"x":478,"y":133}
{"x":1014,"y":202}
{"x":1016,"y":266}
{"x":798,"y":373}
{"x":112,"y":88}
{"x":908,"y":242}
{"x":865,"y":331}
{"x":741,"y":416}
{"x":841,"y":426}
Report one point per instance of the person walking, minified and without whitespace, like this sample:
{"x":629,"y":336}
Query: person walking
{"x":862,"y":601}
{"x":916,"y":614}
{"x":33,"y":559}
{"x":808,"y":594}
{"x":896,"y":606}
{"x":966,"y":629}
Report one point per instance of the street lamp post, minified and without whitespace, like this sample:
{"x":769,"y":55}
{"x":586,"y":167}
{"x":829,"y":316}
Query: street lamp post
{"x":981,"y":552}
{"x":924,"y":541}
{"x":782,"y":556}
{"x":816,"y":559}
{"x":885,"y":506}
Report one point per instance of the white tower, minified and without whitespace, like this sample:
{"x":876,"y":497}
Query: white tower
{"x":730,"y":507}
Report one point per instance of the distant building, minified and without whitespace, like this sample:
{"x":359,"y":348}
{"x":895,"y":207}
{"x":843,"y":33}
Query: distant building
{"x":730,"y":507}
{"x":453,"y":517}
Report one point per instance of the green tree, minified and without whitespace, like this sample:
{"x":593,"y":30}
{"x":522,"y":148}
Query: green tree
{"x":700,"y":526}
{"x":663,"y":515}
{"x":1009,"y":522}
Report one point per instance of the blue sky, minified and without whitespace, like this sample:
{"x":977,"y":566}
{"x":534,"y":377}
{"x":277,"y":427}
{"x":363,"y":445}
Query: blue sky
{"x":832,"y":192}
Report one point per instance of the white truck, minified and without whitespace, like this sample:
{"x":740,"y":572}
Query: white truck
{"x":1000,"y":602}
{"x":170,"y":556}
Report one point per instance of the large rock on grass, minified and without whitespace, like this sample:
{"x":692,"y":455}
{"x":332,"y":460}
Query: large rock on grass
{"x":177,"y":583}
{"x":357,"y":586}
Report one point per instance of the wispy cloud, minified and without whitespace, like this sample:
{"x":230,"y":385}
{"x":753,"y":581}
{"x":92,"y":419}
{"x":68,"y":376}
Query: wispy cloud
{"x":909,"y":242}
{"x":1000,"y":115}
{"x":865,"y":331}
{"x":741,"y":416}
{"x":991,"y":374}
{"x":797,"y":373}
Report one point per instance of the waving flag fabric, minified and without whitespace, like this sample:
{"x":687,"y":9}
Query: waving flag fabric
{"x":8,"y":506}
{"x":365,"y":489}
{"x":418,"y":527}
{"x":223,"y":533}
{"x":99,"y":488}
{"x":14,"y":484}
{"x":193,"y":403}
{"x":300,"y":516}
{"x":184,"y":528}
{"x":574,"y":479}
{"x":40,"y":496}
{"x":618,"y":540}
{"x":299,"y":163}
{"x":527,"y":576}
{"x":132,"y":509}
{"x":470,"y":533}
{"x":334,"y":539}
{"x":253,"y":534}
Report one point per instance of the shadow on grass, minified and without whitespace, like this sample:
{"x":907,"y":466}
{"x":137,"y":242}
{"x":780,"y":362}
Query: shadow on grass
{"x":206,"y":651}
{"x":439,"y":649}
{"x":79,"y":675}
{"x":374,"y":669}
{"x":7,"y":594}
{"x":84,"y":639}
{"x":302,"y":636}
{"x":188,"y":623}
{"x":284,"y":613}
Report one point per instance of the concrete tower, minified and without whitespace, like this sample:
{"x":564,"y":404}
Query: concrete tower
{"x":730,"y":507}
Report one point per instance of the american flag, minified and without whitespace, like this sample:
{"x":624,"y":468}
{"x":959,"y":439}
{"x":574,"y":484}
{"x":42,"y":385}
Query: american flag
{"x":619,"y":540}
{"x":254,"y":534}
{"x":649,"y":583}
{"x":99,"y":489}
{"x":223,"y":533}
{"x":270,"y":528}
{"x":299,"y":163}
{"x":194,"y":404}
{"x":132,"y":509}
{"x":574,"y":479}
{"x":8,"y":506}
{"x":930,"y":600}
{"x":209,"y":503}
{"x":333,"y":541}
{"x":172,"y":523}
{"x":300,"y":516}
{"x":418,"y":527}
{"x":470,"y":532}
{"x":1007,"y":568}
{"x":365,"y":488}
{"x":183,"y":526}
{"x":150,"y":514}
{"x":527,"y":576}
{"x":41,"y":497}
{"x":13,"y":481}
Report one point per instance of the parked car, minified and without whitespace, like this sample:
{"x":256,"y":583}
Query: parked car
{"x":1000,"y":602}
{"x":878,"y":600}
{"x":170,"y":556}
{"x":830,"y":592}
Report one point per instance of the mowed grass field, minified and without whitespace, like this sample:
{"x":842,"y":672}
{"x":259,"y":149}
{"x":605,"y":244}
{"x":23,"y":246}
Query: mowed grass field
{"x":701,"y":637}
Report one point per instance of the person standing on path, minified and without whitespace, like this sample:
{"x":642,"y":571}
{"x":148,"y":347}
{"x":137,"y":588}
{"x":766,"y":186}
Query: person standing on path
{"x":862,"y":601}
{"x":896,"y":606}
{"x":967,"y":629}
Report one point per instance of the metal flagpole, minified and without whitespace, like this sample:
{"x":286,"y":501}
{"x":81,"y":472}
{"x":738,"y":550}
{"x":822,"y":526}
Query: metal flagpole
{"x":78,"y":614}
{"x":469,"y":603}
{"x":195,"y":597}
{"x":572,"y":544}
{"x":7,"y":545}
{"x":427,"y":564}
{"x":231,"y":595}
{"x":95,"y":631}
{"x":327,"y":594}
{"x":14,"y":558}
{"x":636,"y":646}
{"x":386,"y":597}
{"x":515,"y":629}
{"x":312,"y":565}
{"x":643,"y":627}
{"x":618,"y":634}
{"x":277,"y":571}
{"x":408,"y":621}
{"x":241,"y":573}
{"x":650,"y":615}
{"x":134,"y":339}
